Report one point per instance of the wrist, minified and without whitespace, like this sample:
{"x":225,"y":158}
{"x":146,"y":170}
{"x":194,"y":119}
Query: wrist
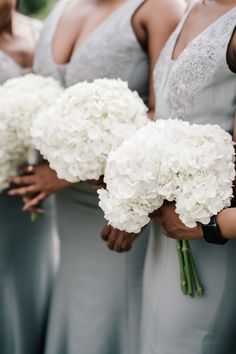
{"x":200,"y":231}
{"x":212,"y":232}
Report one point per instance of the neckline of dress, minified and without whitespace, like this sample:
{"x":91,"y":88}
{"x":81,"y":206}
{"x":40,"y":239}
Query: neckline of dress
{"x":205,"y":30}
{"x":89,"y":38}
{"x":25,"y":70}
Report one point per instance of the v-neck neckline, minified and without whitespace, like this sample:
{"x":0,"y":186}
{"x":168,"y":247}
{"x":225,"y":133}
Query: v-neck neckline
{"x":21,"y":68}
{"x":205,"y":30}
{"x":89,"y":38}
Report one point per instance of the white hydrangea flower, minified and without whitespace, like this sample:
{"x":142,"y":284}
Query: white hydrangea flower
{"x":21,"y":99}
{"x":172,"y":160}
{"x":89,"y":120}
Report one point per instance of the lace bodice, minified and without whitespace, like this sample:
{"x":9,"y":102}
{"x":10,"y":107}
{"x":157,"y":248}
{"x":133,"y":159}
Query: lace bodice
{"x":199,"y":85}
{"x":111,"y":51}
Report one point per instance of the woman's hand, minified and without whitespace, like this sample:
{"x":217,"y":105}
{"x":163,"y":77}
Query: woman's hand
{"x":36,"y":209}
{"x":97,"y":184}
{"x":119,"y":241}
{"x":173,"y":226}
{"x":36,"y":186}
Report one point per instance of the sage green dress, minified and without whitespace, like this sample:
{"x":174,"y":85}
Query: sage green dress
{"x":96,"y":305}
{"x":28,"y":258}
{"x":198,"y":87}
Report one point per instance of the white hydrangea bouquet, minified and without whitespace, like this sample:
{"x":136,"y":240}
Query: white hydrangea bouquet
{"x":171,"y":160}
{"x":21,"y":99}
{"x":89,"y":120}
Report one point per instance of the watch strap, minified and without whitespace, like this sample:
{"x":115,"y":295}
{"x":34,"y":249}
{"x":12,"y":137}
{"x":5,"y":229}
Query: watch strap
{"x":211,"y":232}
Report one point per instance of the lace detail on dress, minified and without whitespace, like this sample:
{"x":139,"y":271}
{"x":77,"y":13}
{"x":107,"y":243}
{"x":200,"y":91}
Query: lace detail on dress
{"x":196,"y":65}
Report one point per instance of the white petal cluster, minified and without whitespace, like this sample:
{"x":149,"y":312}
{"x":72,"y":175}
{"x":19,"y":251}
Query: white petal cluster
{"x":21,"y":99}
{"x":88,"y":121}
{"x":172,"y":160}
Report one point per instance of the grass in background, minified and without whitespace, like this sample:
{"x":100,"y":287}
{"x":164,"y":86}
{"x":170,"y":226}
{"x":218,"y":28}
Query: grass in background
{"x":41,"y":14}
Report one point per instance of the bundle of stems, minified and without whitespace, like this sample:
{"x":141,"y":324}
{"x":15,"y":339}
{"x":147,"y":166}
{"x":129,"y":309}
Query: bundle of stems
{"x":189,"y":279}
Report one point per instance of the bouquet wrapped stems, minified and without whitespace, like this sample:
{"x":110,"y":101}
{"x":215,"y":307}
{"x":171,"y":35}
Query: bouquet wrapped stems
{"x":189,"y":279}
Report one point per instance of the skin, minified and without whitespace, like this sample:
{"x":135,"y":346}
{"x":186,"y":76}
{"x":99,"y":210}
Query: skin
{"x":226,"y":220}
{"x":201,"y":16}
{"x":155,"y":19}
{"x":16,"y":38}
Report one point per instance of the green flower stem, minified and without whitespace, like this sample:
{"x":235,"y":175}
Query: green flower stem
{"x":199,"y":287}
{"x":36,"y":216}
{"x":193,"y":281}
{"x":185,"y":251}
{"x":181,"y":266}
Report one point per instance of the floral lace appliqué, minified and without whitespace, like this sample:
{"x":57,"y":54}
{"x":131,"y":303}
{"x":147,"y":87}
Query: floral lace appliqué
{"x":195,"y":66}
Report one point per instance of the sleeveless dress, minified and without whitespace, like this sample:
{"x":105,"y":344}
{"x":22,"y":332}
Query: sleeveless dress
{"x":96,"y":307}
{"x":27,"y":264}
{"x":8,"y":68}
{"x":200,"y":88}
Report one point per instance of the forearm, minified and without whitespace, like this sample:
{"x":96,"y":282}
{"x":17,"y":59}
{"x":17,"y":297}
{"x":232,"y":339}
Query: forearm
{"x":226,"y":220}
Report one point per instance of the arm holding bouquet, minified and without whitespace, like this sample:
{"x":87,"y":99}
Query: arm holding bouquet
{"x":76,"y":134}
{"x":22,"y":99}
{"x":172,"y":225}
{"x":153,"y":175}
{"x":174,"y":228}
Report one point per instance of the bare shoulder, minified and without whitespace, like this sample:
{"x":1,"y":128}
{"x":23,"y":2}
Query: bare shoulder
{"x":168,"y":11}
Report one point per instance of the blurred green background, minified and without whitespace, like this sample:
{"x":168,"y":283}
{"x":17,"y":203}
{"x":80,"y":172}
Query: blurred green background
{"x":37,"y":8}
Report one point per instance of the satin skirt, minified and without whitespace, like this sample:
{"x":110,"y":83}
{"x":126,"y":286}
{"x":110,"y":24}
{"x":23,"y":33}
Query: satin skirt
{"x":176,"y":323}
{"x":27,"y":267}
{"x":96,"y":305}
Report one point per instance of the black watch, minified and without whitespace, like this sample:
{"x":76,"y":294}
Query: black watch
{"x":211,"y":232}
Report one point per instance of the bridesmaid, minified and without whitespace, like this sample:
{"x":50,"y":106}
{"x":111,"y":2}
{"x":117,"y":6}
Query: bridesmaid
{"x":195,"y":80}
{"x":26,"y":249}
{"x":97,"y":296}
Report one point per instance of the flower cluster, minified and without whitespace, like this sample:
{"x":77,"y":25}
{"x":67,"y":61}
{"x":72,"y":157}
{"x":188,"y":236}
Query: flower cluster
{"x":21,"y":99}
{"x":172,"y":160}
{"x":86,"y":123}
